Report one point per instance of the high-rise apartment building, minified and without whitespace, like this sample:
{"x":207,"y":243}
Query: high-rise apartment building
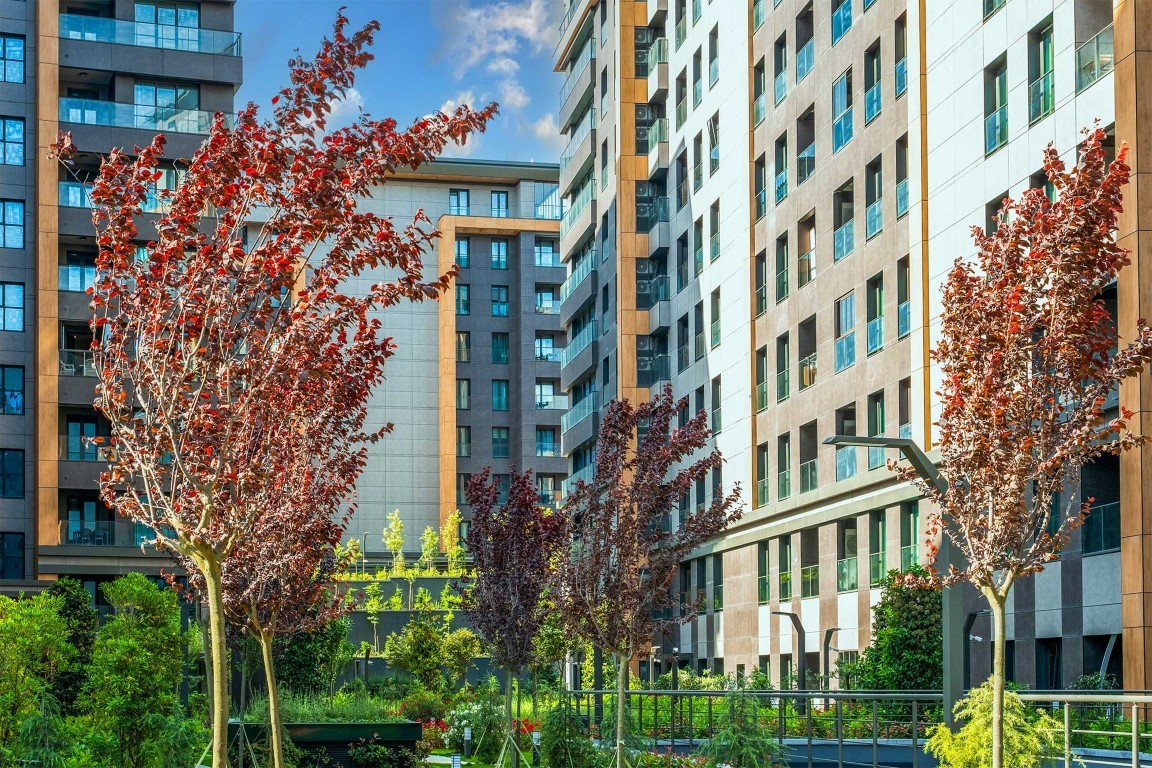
{"x":763,"y":198}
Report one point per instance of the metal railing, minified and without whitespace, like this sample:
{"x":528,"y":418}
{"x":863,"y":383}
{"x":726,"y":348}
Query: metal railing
{"x":146,"y":117}
{"x":168,"y":37}
{"x":1095,"y":59}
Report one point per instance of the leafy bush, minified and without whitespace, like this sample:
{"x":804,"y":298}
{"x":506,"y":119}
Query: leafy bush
{"x":485,"y":716}
{"x":563,"y":741}
{"x":739,"y":741}
{"x":82,"y":622}
{"x":373,"y":753}
{"x":311,"y":662}
{"x":392,"y":687}
{"x":343,"y":707}
{"x":1030,"y":735}
{"x":423,"y":706}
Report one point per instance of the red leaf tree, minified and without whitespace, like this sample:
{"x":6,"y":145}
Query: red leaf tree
{"x":1029,"y":353}
{"x":513,"y":546}
{"x":616,"y":578}
{"x":224,"y":365}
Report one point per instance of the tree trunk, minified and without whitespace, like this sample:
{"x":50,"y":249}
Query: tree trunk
{"x":511,"y":745}
{"x":275,"y":727}
{"x":621,"y":708}
{"x":218,"y":658}
{"x":996,"y":602}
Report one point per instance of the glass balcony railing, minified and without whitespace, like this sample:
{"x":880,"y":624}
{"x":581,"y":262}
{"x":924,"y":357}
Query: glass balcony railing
{"x":580,"y":272}
{"x":77,"y":362}
{"x":579,"y":411}
{"x":762,"y":492}
{"x":698,"y":259}
{"x":903,"y":319}
{"x":784,"y":484}
{"x":652,"y":291}
{"x":810,"y":581}
{"x":1041,"y":97}
{"x":681,"y":113}
{"x":785,"y":585}
{"x":698,"y":346}
{"x":806,"y":268}
{"x":121,"y":32}
{"x":714,"y":246}
{"x":901,"y":198}
{"x":697,"y":92}
{"x":877,"y":568}
{"x":845,"y":462}
{"x":579,"y":343}
{"x":996,"y":130}
{"x":875,"y":335}
{"x":844,"y":240}
{"x":842,"y":130}
{"x":991,"y":6}
{"x":578,"y":135}
{"x":77,"y":448}
{"x":1095,"y":59}
{"x":807,"y":371}
{"x":120,"y":115}
{"x":76,"y":278}
{"x":657,"y":134}
{"x":780,"y":86}
{"x":651,"y":213}
{"x":547,"y":306}
{"x":651,"y":370}
{"x":759,"y":109}
{"x":874,"y":219}
{"x":715,"y":333}
{"x":809,"y":476}
{"x":761,"y":395}
{"x":761,"y":300}
{"x":713,"y":72}
{"x":547,"y":449}
{"x":873,"y":102}
{"x":781,"y":186}
{"x":75,"y":194}
{"x":805,"y":163}
{"x":657,"y":54}
{"x":585,"y":474}
{"x":757,"y":14}
{"x":681,"y":31}
{"x":905,"y":431}
{"x":551,"y":402}
{"x":1101,"y":529}
{"x":577,"y":70}
{"x":847,"y":575}
{"x":94,"y":533}
{"x":783,"y":385}
{"x":841,"y":21}
{"x":845,"y":351}
{"x":901,"y":77}
{"x":805,"y":59}
{"x":909,"y":556}
{"x":876,"y":457}
{"x":763,"y":589}
{"x":782,"y":285}
{"x":761,"y":203}
{"x":578,"y":205}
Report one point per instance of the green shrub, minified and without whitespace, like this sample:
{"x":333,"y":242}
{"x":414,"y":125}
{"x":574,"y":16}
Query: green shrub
{"x":423,"y":706}
{"x":392,"y":687}
{"x":563,"y":741}
{"x":343,"y":707}
{"x":739,"y":740}
{"x":484,"y":714}
{"x":1030,"y":735}
{"x":311,"y":662}
{"x":373,"y":753}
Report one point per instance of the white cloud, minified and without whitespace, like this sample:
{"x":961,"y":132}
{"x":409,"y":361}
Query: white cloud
{"x":463,"y":99}
{"x":548,"y":132}
{"x":502,"y":65}
{"x":484,"y":33}
{"x":346,"y":110}
{"x":513,"y":95}
{"x":466,"y":150}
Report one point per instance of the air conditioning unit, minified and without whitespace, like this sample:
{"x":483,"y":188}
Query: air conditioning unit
{"x":645,"y":113}
{"x":645,"y":364}
{"x":645,"y":36}
{"x":645,"y":344}
{"x":645,"y":267}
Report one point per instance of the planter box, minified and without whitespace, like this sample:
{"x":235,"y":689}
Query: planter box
{"x":334,"y":738}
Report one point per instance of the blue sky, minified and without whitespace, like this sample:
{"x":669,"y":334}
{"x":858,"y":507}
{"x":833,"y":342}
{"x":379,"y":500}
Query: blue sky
{"x":430,"y":54}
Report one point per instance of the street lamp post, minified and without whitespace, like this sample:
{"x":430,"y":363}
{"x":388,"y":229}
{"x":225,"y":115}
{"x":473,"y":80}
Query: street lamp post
{"x":951,"y":601}
{"x":802,"y":665}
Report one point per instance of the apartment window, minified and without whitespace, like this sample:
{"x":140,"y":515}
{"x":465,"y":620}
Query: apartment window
{"x":463,"y":346}
{"x":458,"y":202}
{"x":713,"y":56}
{"x":546,"y":444}
{"x":11,"y":555}
{"x":845,"y":331}
{"x":12,"y":381}
{"x":717,"y":420}
{"x":12,"y":302}
{"x":499,"y":301}
{"x":714,"y":225}
{"x":714,"y":144}
{"x":842,"y":111}
{"x":500,"y":205}
{"x":13,"y":138}
{"x":873,"y":94}
{"x":463,"y":252}
{"x":841,"y":19}
{"x":499,"y":254}
{"x":545,"y":348}
{"x":462,"y":481}
{"x":168,"y":25}
{"x":499,"y":395}
{"x":501,"y":447}
{"x":996,"y":106}
{"x":463,"y":299}
{"x":463,"y":394}
{"x":1041,"y":93}
{"x":875,"y":308}
{"x":463,"y":441}
{"x":546,"y":254}
{"x":715,"y":328}
{"x":12,"y":225}
{"x":500,"y":348}
{"x":11,"y":474}
{"x":873,"y":198}
{"x":13,"y":54}
{"x":876,"y":428}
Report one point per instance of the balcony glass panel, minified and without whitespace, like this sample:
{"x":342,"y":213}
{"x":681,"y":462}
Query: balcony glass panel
{"x":657,"y":134}
{"x":1094,"y":59}
{"x":759,"y":109}
{"x":761,"y":300}
{"x":657,"y":53}
{"x":780,"y":86}
{"x":580,"y":272}
{"x":876,"y":457}
{"x":810,"y":581}
{"x":842,"y":130}
{"x":808,"y":476}
{"x":904,"y":319}
{"x":715,"y":331}
{"x":996,"y":130}
{"x":146,"y":117}
{"x":873,"y":103}
{"x":761,"y":395}
{"x":805,"y":58}
{"x":901,"y":77}
{"x":1101,"y":530}
{"x":681,"y":113}
{"x":578,"y":205}
{"x":805,"y":163}
{"x":901,"y":198}
{"x":714,"y":246}
{"x":121,"y":32}
{"x":909,"y":556}
{"x":92,"y":533}
{"x":841,"y":21}
{"x":781,"y":285}
{"x":579,"y":343}
{"x":763,"y":590}
{"x":784,"y":484}
{"x":584,"y":474}
{"x":77,"y":362}
{"x":808,"y":371}
{"x":806,"y":268}
{"x":846,"y":351}
{"x":1041,"y":97}
{"x":713,"y":71}
{"x":875,"y":335}
{"x":783,"y":385}
{"x":76,"y":278}
{"x":757,"y":14}
{"x":650,"y":370}
{"x":874,"y":219}
{"x":785,"y":585}
{"x":579,"y":411}
{"x":906,"y":431}
{"x":781,"y":185}
{"x":75,"y":194}
{"x":847,"y":574}
{"x":551,"y":402}
{"x":877,"y":568}
{"x":844,"y":240}
{"x":762,"y":492}
{"x":845,"y":462}
{"x":762,"y":203}
{"x":681,"y":32}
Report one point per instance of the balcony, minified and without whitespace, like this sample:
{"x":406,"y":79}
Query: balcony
{"x":780,"y":86}
{"x":120,"y":32}
{"x":547,"y":306}
{"x":103,"y":533}
{"x":77,"y":279}
{"x":805,"y":268}
{"x":901,"y":77}
{"x":901,"y":198}
{"x":903,"y":319}
{"x":845,"y":351}
{"x":116,"y":114}
{"x":805,"y":163}
{"x":805,"y":59}
{"x":808,"y":476}
{"x":579,"y":153}
{"x":909,"y":556}
{"x":875,"y":335}
{"x":579,"y":343}
{"x":652,"y":370}
{"x":1041,"y":97}
{"x":681,"y":113}
{"x":759,"y":109}
{"x":874,"y":219}
{"x":877,"y":568}
{"x":652,"y":291}
{"x":658,"y":147}
{"x":77,"y":362}
{"x":575,"y":219}
{"x":996,"y":130}
{"x":782,"y":285}
{"x":783,"y":385}
{"x":847,"y":574}
{"x":548,"y":355}
{"x":845,"y":462}
{"x":842,"y":130}
{"x":551,"y":402}
{"x":681,"y":31}
{"x":810,"y":581}
{"x":579,"y":85}
{"x":844,"y":240}
{"x":873,"y":103}
{"x":781,"y":186}
{"x":549,"y":449}
{"x":841,"y":21}
{"x":584,"y":474}
{"x":579,"y":411}
{"x":580,"y":272}
{"x":1094,"y":59}
{"x":75,"y":194}
{"x":783,"y":484}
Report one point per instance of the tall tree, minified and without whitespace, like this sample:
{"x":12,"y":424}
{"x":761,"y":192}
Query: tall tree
{"x":513,"y":547}
{"x":617,"y":575}
{"x":216,"y":353}
{"x":1029,"y":354}
{"x":82,"y":622}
